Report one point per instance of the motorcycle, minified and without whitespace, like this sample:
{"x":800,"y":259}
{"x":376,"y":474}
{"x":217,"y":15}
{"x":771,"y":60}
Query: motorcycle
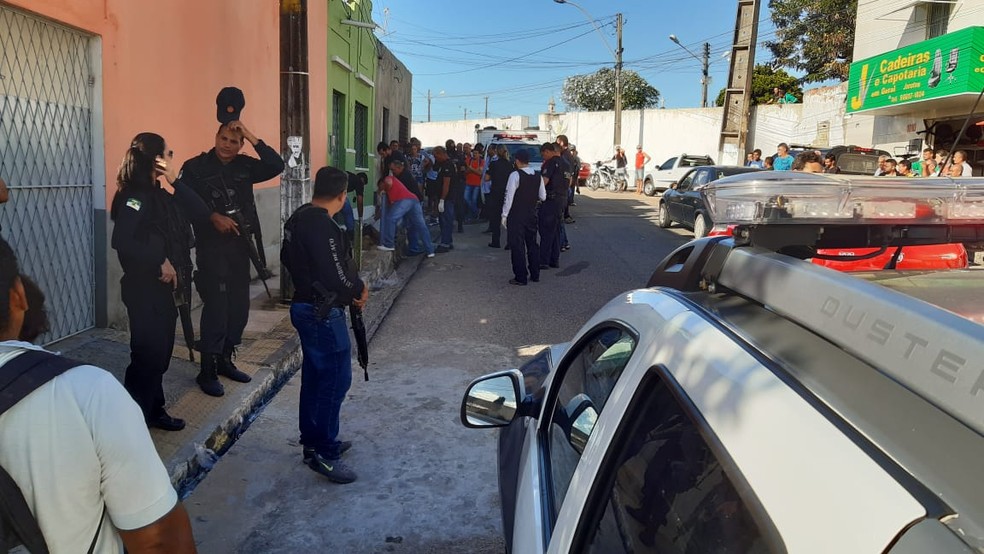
{"x":605,"y":176}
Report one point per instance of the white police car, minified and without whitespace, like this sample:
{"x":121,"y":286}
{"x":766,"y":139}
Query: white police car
{"x":750,"y":401}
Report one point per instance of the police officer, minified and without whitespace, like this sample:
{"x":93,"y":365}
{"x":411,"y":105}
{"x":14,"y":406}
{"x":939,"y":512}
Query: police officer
{"x":555,"y":177}
{"x":153,"y":240}
{"x":524,"y":191}
{"x":224,"y":179}
{"x":318,"y":256}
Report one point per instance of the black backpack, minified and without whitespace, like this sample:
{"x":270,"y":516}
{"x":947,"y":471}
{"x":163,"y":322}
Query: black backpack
{"x":19,"y":378}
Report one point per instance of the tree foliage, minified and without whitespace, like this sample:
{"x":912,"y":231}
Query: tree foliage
{"x":814,"y":36}
{"x":596,"y":91}
{"x":764,"y":79}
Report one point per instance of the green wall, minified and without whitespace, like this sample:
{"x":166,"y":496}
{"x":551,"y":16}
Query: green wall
{"x":354,"y":77}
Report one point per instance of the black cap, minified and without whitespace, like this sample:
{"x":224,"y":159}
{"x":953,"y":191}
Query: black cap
{"x":522,"y":156}
{"x":229,"y":104}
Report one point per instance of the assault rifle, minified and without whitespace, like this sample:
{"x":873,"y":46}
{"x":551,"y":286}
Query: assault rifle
{"x":179,"y":242}
{"x":182,"y":300}
{"x":254,"y":240}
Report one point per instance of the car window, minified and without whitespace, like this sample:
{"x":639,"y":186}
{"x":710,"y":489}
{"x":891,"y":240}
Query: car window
{"x":665,"y":491}
{"x":584,"y":389}
{"x":686,"y":182}
{"x":533,"y":149}
{"x":695,"y":161}
{"x":701,"y":178}
{"x":668,"y":164}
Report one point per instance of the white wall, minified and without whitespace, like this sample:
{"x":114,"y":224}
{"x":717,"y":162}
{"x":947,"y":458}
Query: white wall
{"x":437,"y":132}
{"x":667,"y":133}
{"x":818,"y":121}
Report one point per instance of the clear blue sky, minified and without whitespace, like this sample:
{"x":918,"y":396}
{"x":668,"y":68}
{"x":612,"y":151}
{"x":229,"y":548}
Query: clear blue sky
{"x":518,"y":52}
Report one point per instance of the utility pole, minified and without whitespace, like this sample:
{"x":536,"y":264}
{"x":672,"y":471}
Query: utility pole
{"x":486,"y":107}
{"x":466,"y":113}
{"x":738,"y":94}
{"x":706,"y":78}
{"x":428,"y":105}
{"x":618,"y":81}
{"x":294,"y":117}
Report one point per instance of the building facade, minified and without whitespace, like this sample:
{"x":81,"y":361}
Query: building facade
{"x":394,"y":84}
{"x":80,"y":78}
{"x":918,"y":70}
{"x":352,"y":58}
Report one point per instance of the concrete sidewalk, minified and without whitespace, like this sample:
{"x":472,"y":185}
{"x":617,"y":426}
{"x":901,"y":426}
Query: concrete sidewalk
{"x":270,"y":353}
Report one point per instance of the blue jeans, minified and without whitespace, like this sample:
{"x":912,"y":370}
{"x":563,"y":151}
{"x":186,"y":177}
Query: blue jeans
{"x":326,"y":375}
{"x":471,"y":199}
{"x":349,"y":215}
{"x":408,"y":210}
{"x":447,"y":223}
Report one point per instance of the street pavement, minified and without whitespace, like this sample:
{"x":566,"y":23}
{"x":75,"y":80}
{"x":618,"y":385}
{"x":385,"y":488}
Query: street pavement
{"x":426,"y":484}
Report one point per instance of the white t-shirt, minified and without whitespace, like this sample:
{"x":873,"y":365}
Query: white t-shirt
{"x":74,"y":443}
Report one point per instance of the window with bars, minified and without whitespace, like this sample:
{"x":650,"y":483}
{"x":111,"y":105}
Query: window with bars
{"x":337,"y":145}
{"x":361,"y":136}
{"x":386,"y":125}
{"x":404,"y":130}
{"x":937,"y":19}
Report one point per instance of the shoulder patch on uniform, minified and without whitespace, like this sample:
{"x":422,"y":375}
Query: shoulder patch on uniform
{"x":133,"y":203}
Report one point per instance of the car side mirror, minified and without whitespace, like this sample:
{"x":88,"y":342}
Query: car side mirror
{"x":492,"y":400}
{"x":583,"y":416}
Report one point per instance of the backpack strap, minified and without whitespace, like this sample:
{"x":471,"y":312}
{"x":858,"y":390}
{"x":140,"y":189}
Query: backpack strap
{"x":18,"y":378}
{"x":25,"y":373}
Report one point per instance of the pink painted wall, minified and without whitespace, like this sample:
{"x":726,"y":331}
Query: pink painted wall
{"x":164,"y":62}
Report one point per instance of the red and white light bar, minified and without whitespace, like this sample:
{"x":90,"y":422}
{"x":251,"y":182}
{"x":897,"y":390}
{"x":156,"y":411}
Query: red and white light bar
{"x":811,"y":198}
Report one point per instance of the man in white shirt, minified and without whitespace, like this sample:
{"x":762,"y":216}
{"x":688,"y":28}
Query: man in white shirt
{"x":524,"y":190}
{"x":78,"y":449}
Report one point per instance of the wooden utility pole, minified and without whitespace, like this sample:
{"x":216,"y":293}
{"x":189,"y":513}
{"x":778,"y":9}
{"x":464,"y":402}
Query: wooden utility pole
{"x":486,"y":107}
{"x":428,"y":105}
{"x":738,"y":95}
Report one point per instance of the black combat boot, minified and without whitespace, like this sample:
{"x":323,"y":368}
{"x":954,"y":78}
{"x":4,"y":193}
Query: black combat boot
{"x":229,"y":369}
{"x":207,"y":378}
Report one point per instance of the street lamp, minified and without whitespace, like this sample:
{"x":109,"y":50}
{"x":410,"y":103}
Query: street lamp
{"x":705,"y":62}
{"x":617,"y":54}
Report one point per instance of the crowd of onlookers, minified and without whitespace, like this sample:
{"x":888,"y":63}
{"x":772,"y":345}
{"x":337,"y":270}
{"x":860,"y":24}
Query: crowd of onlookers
{"x":933,"y":163}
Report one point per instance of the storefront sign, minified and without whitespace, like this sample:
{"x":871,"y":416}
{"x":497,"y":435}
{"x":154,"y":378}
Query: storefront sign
{"x":947,"y":65}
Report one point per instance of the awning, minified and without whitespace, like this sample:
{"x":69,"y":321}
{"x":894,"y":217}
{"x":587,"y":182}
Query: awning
{"x":947,"y":70}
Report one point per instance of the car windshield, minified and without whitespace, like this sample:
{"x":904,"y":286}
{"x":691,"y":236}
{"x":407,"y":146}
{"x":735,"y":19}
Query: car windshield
{"x":533,"y":149}
{"x":857,"y":164}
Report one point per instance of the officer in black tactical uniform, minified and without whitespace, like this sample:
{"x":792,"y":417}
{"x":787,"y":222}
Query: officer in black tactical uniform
{"x":153,"y":239}
{"x":229,"y":238}
{"x":556,"y":177}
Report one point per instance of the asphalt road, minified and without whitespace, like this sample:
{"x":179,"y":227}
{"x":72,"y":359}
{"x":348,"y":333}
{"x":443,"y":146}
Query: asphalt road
{"x":426,"y":484}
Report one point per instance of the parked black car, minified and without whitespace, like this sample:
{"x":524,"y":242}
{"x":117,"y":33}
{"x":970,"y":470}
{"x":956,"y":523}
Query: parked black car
{"x":682,"y":203}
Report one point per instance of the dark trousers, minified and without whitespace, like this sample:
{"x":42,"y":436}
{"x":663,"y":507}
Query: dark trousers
{"x":494,"y":212}
{"x":523,"y":248}
{"x":326,"y":375}
{"x":223,"y":284}
{"x":460,"y":206}
{"x":150,"y":307}
{"x":446,"y":219}
{"x":549,"y":222}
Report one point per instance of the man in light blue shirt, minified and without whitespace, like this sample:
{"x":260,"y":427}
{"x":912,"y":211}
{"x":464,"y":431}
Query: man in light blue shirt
{"x":782,"y":161}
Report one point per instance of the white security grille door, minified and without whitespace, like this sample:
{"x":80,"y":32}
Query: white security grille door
{"x":46,"y":159}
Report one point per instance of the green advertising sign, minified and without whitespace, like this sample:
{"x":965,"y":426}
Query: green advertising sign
{"x":947,"y":65}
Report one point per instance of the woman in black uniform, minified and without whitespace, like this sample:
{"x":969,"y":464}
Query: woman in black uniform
{"x":152,"y":237}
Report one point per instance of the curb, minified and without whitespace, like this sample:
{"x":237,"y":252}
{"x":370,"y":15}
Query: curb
{"x":195,"y":459}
